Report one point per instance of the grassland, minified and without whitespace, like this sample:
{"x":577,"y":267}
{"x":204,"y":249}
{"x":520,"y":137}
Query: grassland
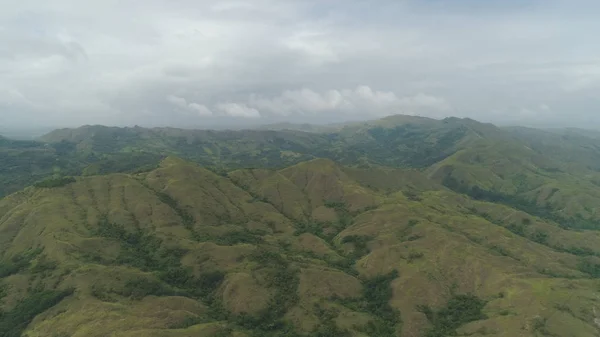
{"x":551,"y":174}
{"x":404,"y":226}
{"x":312,"y":249}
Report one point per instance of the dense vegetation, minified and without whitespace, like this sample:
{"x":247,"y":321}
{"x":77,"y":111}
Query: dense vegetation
{"x":55,"y":182}
{"x":520,"y":203}
{"x":18,"y":262}
{"x":283,"y":278}
{"x":146,"y":252}
{"x":15,"y":321}
{"x":459,"y":310}
{"x":377,"y":293}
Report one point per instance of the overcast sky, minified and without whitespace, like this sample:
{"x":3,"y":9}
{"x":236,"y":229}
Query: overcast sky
{"x":196,"y":63}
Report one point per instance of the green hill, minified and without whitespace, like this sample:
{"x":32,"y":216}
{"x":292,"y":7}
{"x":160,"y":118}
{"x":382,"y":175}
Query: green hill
{"x":403,"y":226}
{"x":545,"y":177}
{"x":312,"y":249}
{"x":553,"y":174}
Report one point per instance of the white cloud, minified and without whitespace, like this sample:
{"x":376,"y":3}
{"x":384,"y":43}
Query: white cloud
{"x":72,"y":62}
{"x":230,"y":5}
{"x":422,"y":100}
{"x":238,"y":110}
{"x":303,"y":101}
{"x":13,"y":97}
{"x":317,"y":47}
{"x":359,"y":101}
{"x":526,"y":112}
{"x":200,"y":109}
{"x":183,"y":104}
{"x":178,"y":101}
{"x":581,"y":77}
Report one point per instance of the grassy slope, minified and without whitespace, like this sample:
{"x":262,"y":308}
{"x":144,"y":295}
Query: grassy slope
{"x":302,"y":246}
{"x":540,"y":177}
{"x":100,"y":150}
{"x":552,"y":171}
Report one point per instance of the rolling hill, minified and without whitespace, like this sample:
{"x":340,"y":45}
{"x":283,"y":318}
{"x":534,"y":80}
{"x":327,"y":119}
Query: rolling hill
{"x":404,"y":226}
{"x":553,"y":174}
{"x":313,"y":249}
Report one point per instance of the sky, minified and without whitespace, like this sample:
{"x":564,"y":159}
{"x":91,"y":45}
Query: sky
{"x":197,"y":63}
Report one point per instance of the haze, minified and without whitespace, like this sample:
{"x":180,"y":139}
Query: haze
{"x":205,"y":63}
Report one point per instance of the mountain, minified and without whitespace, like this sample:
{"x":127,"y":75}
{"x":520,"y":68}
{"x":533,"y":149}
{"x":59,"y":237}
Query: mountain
{"x":553,"y":174}
{"x":24,"y":133}
{"x":398,"y":141}
{"x":403,"y":226}
{"x":547,"y":174}
{"x":312,"y":249}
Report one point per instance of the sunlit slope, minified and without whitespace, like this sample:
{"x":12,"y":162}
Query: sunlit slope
{"x":315,"y":249}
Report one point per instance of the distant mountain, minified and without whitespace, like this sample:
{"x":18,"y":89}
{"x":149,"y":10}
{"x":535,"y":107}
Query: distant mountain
{"x":390,"y":121}
{"x":300,"y":127}
{"x":23,"y":133}
{"x":578,"y":131}
{"x":369,"y":141}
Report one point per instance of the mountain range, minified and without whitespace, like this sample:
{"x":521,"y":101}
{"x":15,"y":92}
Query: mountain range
{"x":404,"y":226}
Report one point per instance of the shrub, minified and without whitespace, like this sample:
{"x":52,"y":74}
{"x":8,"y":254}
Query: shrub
{"x":414,"y":256}
{"x":144,"y":251}
{"x":460,"y":310}
{"x":540,"y":237}
{"x":237,"y":237}
{"x":15,"y":321}
{"x":590,"y":268}
{"x":141,"y":287}
{"x":18,"y":262}
{"x":377,"y":293}
{"x":283,"y":278}
{"x":55,"y":182}
{"x":360,"y":245}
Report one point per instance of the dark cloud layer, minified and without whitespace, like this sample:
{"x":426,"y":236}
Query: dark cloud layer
{"x":201,"y":63}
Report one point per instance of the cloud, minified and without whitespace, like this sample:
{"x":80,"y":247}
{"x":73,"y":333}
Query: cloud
{"x":178,"y":101}
{"x":303,"y":101}
{"x":182,"y":103}
{"x":67,"y":62}
{"x":528,"y":112}
{"x":200,"y":109}
{"x":359,"y":101}
{"x":238,"y":110}
{"x":422,"y":100}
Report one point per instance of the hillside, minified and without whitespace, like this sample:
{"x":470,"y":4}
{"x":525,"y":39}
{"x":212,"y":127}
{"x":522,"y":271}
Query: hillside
{"x":549,"y":175}
{"x":553,"y":174}
{"x":312,"y":249}
{"x":305,"y":127}
{"x":100,"y":150}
